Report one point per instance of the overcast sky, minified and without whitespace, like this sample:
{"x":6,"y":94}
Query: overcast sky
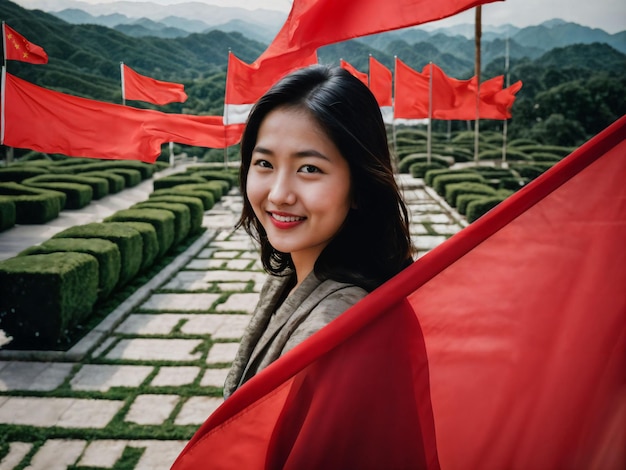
{"x":609,"y":15}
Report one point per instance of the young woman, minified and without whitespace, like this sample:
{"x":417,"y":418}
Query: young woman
{"x":321,"y":200}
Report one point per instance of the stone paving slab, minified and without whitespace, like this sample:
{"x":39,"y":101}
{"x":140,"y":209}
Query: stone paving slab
{"x":218,"y":326}
{"x":142,"y":349}
{"x":57,"y":454}
{"x":222,"y":352}
{"x":103,"y":377}
{"x":146,"y":324}
{"x":239,"y":303}
{"x":33,"y":376}
{"x":61,"y":412}
{"x":17,"y":452}
{"x":103,"y":453}
{"x":151,"y":409}
{"x":187,"y":302}
{"x":202,"y":280}
{"x":175,"y":376}
{"x":214,"y":377}
{"x":196,"y":410}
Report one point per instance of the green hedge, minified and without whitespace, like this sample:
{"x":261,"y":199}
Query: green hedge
{"x":207,"y":197}
{"x":405,"y":164}
{"x":32,"y":206}
{"x":194,"y":204}
{"x":78,"y":195}
{"x":7,"y":213}
{"x":182,"y":217}
{"x":127,"y":239}
{"x":432,"y":174}
{"x":106,"y":252}
{"x":131,"y":177}
{"x":481,"y":206}
{"x":100,"y":186}
{"x":116,"y":182}
{"x":440,"y":182}
{"x":217,"y":188}
{"x":43,"y":296}
{"x":20,"y":173}
{"x":171,"y":181}
{"x":231,"y":179}
{"x":454,"y":190}
{"x":151,"y":247}
{"x":163,"y":222}
{"x":418,"y":170}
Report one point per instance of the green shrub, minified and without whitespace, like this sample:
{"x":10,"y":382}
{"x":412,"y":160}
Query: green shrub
{"x":463,"y":200}
{"x":555,"y":149}
{"x":513,"y":183}
{"x":431,"y":174}
{"x":217,"y":188}
{"x":182,"y":217}
{"x":116,"y":182}
{"x":440,"y":182}
{"x":406,"y":162}
{"x":418,"y":170}
{"x":150,"y":242}
{"x":217,"y":176}
{"x":100,"y":186}
{"x":43,"y":296}
{"x":131,"y":177}
{"x":7,"y":213}
{"x":77,"y":195}
{"x":195,"y":205}
{"x":127,"y":239}
{"x":32,"y":205}
{"x":20,"y":173}
{"x":106,"y":252}
{"x":481,"y":206}
{"x":171,"y":181}
{"x":496,"y":154}
{"x":163,"y":222}
{"x":545,"y":157}
{"x":207,"y":198}
{"x":531,"y":171}
{"x":454,"y":190}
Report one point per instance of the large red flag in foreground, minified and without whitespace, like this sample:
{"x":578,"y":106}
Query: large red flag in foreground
{"x":17,"y":47}
{"x":139,"y":87}
{"x":48,"y":121}
{"x":504,"y":347}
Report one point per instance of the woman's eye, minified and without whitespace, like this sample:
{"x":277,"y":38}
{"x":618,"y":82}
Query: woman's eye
{"x":310,"y":169}
{"x":262,"y":163}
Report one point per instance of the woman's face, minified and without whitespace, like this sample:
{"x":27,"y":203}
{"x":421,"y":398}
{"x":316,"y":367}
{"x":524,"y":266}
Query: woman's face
{"x":298,"y":185}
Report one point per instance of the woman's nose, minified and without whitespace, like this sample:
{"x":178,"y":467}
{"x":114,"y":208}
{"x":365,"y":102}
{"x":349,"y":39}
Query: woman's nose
{"x":282,"y":191}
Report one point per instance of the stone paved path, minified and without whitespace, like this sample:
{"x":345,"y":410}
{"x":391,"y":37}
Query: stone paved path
{"x":154,"y":369}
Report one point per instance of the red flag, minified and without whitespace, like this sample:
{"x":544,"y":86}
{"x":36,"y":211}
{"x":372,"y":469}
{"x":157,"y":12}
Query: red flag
{"x":245,"y":84}
{"x":360,"y":75}
{"x":381,"y":82}
{"x":17,"y":47}
{"x":451,"y":97}
{"x":142,"y":88}
{"x":503,"y":347}
{"x":498,"y":105}
{"x":53,"y":122}
{"x":411,"y":93}
{"x":315,"y":23}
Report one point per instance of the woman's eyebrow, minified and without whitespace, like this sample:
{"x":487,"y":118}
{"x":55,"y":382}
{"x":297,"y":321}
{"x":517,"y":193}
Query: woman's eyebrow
{"x":299,"y":154}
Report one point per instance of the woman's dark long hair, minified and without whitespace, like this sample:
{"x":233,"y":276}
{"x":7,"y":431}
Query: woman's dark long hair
{"x":374,"y":243}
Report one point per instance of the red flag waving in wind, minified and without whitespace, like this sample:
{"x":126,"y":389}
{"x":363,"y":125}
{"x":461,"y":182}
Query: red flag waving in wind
{"x":504,"y":347}
{"x":315,"y":23}
{"x":142,"y":88}
{"x":53,"y":122}
{"x":17,"y":47}
{"x":381,"y":82}
{"x":411,"y":93}
{"x":350,"y":68}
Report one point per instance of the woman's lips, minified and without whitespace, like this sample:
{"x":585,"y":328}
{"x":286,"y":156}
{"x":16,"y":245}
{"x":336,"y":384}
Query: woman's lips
{"x":285,"y":221}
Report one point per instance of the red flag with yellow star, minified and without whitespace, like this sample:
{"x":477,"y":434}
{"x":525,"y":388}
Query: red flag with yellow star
{"x":17,"y":47}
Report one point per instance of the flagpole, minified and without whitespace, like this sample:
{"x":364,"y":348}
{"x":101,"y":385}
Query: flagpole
{"x":506,"y":121}
{"x":122,"y":82}
{"x":4,"y":44}
{"x":477,"y":33}
{"x":226,"y":113}
{"x":430,"y":115}
{"x":393,"y":110}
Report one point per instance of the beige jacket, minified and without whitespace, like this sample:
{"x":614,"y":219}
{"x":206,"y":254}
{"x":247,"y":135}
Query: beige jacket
{"x":273,"y":331}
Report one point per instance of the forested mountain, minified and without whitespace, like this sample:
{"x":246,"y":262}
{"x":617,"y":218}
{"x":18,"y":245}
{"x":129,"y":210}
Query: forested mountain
{"x":568,"y":93}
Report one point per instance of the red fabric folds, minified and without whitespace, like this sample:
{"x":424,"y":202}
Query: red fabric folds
{"x":20,"y":48}
{"x":503,"y":347}
{"x":141,"y":88}
{"x":411,"y":93}
{"x":315,"y":23}
{"x":53,"y":122}
{"x":381,"y":82}
{"x":350,"y":68}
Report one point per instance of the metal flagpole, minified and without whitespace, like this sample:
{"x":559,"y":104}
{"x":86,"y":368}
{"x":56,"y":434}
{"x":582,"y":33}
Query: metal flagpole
{"x":506,"y":121}
{"x":477,"y":33}
{"x":393,"y":111}
{"x":9,"y":151}
{"x":122,"y":82}
{"x":430,"y":115}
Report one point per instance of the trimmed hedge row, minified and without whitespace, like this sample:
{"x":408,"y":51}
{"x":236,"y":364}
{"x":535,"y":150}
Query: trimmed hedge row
{"x":98,"y":258}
